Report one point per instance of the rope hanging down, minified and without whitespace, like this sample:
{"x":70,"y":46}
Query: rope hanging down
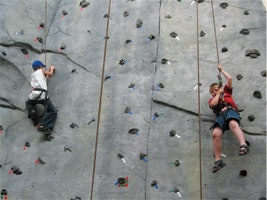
{"x":199,"y":118}
{"x":45,"y":29}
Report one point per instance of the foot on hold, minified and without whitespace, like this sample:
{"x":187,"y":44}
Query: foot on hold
{"x":44,"y":130}
{"x":34,"y":118}
{"x":219,"y":164}
{"x":243,"y":150}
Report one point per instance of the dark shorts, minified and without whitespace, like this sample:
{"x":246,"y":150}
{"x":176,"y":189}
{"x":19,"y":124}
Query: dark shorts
{"x":223,"y":120}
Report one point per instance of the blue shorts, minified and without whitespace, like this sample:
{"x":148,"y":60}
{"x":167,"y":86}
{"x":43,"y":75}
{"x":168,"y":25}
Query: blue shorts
{"x":223,"y":120}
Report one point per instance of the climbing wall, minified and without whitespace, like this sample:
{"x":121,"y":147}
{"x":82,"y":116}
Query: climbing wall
{"x":126,"y":88}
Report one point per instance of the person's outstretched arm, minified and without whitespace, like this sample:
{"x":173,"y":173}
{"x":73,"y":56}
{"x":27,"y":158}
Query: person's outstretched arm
{"x":226,"y":75}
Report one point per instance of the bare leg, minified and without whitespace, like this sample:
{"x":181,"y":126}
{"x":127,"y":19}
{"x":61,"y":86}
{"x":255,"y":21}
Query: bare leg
{"x":217,"y":142}
{"x":237,"y":131}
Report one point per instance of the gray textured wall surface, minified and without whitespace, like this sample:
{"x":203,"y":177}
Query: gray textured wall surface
{"x":109,"y":64}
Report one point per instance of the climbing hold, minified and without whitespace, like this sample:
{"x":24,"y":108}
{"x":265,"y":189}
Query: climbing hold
{"x":248,"y":143}
{"x":132,"y":85}
{"x":122,"y":182}
{"x":64,"y":13}
{"x":224,"y":49}
{"x":257,"y":94}
{"x":4,"y":194}
{"x":202,"y":34}
{"x":263,"y":73}
{"x":200,"y":1}
{"x":121,"y":157}
{"x":223,"y":5}
{"x":151,"y":37}
{"x":107,"y":77}
{"x":253,"y":53}
{"x":74,"y":71}
{"x":246,"y":12}
{"x":84,"y":4}
{"x":160,"y":85}
{"x":122,"y":62}
{"x":128,"y":110}
{"x":239,"y":77}
{"x":154,"y":184}
{"x":73,"y":125}
{"x":125,"y":13}
{"x":142,"y":156}
{"x":41,"y":25}
{"x":16,"y":170}
{"x":172,"y":133}
{"x":3,"y":53}
{"x":133,"y":131}
{"x":176,"y":163}
{"x":27,"y":144}
{"x":251,"y":118}
{"x":24,"y":51}
{"x":63,"y":46}
{"x":19,"y":32}
{"x":244,"y":31}
{"x":139,"y":23}
{"x":164,"y":61}
{"x":39,"y":160}
{"x":39,"y":39}
{"x":67,"y":149}
{"x":128,"y":41}
{"x":106,"y":16}
{"x":92,"y":120}
{"x":168,"y":16}
{"x":173,"y":34}
{"x":243,"y":172}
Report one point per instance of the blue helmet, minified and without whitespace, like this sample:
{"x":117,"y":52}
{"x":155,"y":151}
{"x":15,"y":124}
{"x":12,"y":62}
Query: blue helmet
{"x":36,"y":64}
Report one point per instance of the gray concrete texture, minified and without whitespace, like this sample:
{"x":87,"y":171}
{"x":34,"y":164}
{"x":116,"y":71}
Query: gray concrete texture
{"x":82,"y":161}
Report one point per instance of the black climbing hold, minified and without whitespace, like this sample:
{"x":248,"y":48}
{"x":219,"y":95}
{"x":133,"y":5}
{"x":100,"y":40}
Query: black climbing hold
{"x":202,"y":34}
{"x":168,"y":16}
{"x":154,"y":182}
{"x":127,"y":110}
{"x":172,"y":133}
{"x":142,"y":156}
{"x":73,"y":125}
{"x":122,"y":62}
{"x":122,"y":180}
{"x":246,"y":12}
{"x":248,"y":143}
{"x":251,"y":118}
{"x":73,"y":70}
{"x":67,"y":149}
{"x":107,"y":77}
{"x":1,"y":127}
{"x":64,"y":12}
{"x":27,"y":144}
{"x":41,"y":160}
{"x":224,"y":198}
{"x":257,"y":94}
{"x":24,"y":51}
{"x":176,"y":190}
{"x":223,"y":5}
{"x":106,"y":37}
{"x":161,"y":85}
{"x":200,"y":1}
{"x":128,"y":41}
{"x":133,"y":131}
{"x":16,"y":170}
{"x":3,"y":53}
{"x":224,"y":26}
{"x":263,"y":73}
{"x":151,"y":37}
{"x":176,"y":163}
{"x":164,"y":61}
{"x":63,"y":46}
{"x":224,"y":49}
{"x":243,"y":172}
{"x":239,"y":77}
{"x":156,"y":114}
{"x":253,"y":53}
{"x":120,"y":155}
{"x":173,"y":34}
{"x":92,"y":120}
{"x":106,"y":16}
{"x":40,"y":40}
{"x":244,"y":31}
{"x":139,"y":23}
{"x":84,"y":4}
{"x":125,"y":13}
{"x":131,"y":85}
{"x":42,"y":25}
{"x":3,"y":193}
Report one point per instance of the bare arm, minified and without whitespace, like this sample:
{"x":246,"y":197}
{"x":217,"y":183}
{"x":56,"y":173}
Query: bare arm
{"x":215,"y":100}
{"x":227,"y":76}
{"x":49,"y":72}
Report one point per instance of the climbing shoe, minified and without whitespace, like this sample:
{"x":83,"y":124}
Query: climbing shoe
{"x":219,"y":164}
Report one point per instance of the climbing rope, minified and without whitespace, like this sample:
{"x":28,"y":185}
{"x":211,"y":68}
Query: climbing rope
{"x":216,"y":42}
{"x":100,"y":102}
{"x":199,"y":117}
{"x":45,"y":29}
